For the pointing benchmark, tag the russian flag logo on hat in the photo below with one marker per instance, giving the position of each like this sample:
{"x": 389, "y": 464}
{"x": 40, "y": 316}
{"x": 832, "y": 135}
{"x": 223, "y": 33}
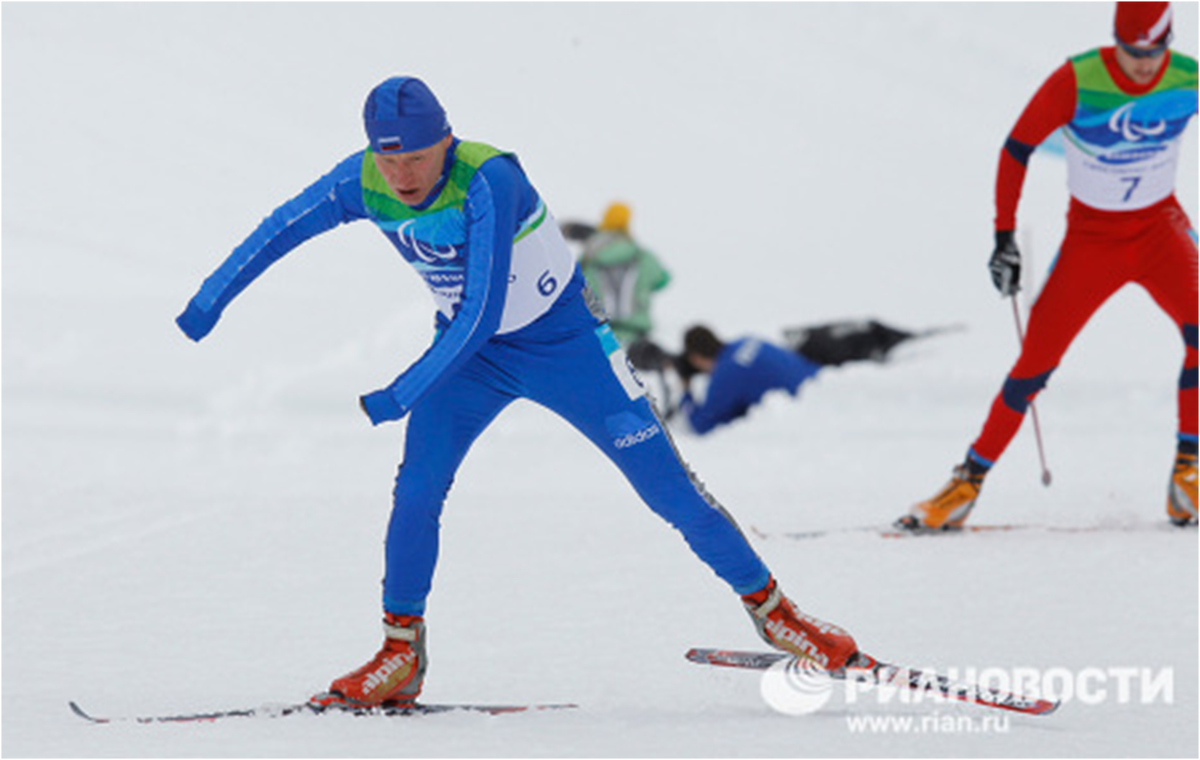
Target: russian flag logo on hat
{"x": 402, "y": 115}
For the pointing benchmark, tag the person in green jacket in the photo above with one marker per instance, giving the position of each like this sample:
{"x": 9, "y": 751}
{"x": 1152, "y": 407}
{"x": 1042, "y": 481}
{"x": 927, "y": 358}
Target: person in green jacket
{"x": 623, "y": 274}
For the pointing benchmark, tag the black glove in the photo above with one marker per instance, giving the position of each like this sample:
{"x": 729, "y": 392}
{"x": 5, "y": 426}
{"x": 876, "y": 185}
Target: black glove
{"x": 1005, "y": 264}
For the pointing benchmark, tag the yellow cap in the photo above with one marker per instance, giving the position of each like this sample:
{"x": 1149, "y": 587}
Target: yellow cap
{"x": 616, "y": 218}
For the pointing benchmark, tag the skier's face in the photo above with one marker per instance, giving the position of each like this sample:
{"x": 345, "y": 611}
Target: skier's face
{"x": 1142, "y": 69}
{"x": 412, "y": 175}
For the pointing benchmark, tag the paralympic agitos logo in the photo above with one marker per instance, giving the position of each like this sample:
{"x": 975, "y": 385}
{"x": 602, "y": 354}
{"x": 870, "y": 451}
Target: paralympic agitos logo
{"x": 1123, "y": 124}
{"x": 1142, "y": 141}
{"x": 423, "y": 249}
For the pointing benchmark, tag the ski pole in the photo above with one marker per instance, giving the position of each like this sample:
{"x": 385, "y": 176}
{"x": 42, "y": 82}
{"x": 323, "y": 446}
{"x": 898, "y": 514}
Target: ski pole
{"x": 1037, "y": 428}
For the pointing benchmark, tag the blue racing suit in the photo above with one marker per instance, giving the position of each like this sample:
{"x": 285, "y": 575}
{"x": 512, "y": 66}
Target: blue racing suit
{"x": 743, "y": 372}
{"x": 515, "y": 321}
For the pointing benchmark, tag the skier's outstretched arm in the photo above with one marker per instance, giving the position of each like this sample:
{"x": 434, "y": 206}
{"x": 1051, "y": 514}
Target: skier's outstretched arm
{"x": 333, "y": 199}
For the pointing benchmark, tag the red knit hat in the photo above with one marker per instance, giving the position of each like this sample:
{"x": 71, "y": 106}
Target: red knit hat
{"x": 1143, "y": 25}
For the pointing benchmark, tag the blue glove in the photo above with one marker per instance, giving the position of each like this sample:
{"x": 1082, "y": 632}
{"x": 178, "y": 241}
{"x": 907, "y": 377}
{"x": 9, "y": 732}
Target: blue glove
{"x": 381, "y": 406}
{"x": 1005, "y": 264}
{"x": 195, "y": 322}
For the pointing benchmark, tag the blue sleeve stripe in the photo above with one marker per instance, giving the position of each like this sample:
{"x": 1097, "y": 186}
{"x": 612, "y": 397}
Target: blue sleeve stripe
{"x": 1189, "y": 335}
{"x": 1019, "y": 150}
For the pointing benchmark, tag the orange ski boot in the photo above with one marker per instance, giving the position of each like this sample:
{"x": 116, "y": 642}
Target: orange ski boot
{"x": 948, "y": 509}
{"x": 393, "y": 677}
{"x": 1181, "y": 495}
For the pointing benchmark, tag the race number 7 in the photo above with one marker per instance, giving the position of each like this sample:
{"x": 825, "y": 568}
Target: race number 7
{"x": 1133, "y": 183}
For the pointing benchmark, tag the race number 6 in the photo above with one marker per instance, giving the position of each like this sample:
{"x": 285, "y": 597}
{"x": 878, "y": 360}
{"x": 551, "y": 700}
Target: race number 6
{"x": 547, "y": 284}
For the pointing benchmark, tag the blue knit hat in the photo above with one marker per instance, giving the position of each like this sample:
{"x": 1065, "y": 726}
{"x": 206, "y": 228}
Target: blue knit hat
{"x": 402, "y": 115}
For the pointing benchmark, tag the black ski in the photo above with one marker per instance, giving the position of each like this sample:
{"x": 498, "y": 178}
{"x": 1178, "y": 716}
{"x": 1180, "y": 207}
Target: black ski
{"x": 866, "y": 669}
{"x": 297, "y": 708}
{"x": 895, "y": 531}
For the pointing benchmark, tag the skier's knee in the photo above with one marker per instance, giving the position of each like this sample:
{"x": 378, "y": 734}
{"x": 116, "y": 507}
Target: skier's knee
{"x": 1019, "y": 391}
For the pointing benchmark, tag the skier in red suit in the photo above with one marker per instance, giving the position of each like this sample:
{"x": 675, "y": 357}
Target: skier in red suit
{"x": 1122, "y": 109}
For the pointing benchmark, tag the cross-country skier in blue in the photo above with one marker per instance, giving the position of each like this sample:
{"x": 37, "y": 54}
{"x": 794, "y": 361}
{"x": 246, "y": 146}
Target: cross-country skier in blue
{"x": 742, "y": 371}
{"x": 515, "y": 320}
{"x": 740, "y": 374}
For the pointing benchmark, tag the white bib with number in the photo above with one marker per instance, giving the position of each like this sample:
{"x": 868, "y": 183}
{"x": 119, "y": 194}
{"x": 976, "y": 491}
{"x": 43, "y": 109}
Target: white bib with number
{"x": 1123, "y": 149}
{"x": 1127, "y": 181}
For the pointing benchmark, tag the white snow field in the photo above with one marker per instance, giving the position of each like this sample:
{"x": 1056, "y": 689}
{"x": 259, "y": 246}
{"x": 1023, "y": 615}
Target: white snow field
{"x": 197, "y": 527}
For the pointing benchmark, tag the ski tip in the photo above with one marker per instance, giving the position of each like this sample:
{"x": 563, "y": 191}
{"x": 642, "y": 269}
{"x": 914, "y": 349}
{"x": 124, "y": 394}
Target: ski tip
{"x": 860, "y": 660}
{"x": 75, "y": 708}
{"x": 1046, "y": 707}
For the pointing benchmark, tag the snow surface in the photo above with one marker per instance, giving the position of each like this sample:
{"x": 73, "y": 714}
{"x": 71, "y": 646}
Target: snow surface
{"x": 191, "y": 527}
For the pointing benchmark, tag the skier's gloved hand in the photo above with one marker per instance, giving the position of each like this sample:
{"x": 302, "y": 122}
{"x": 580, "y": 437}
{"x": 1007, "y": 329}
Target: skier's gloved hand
{"x": 1005, "y": 264}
